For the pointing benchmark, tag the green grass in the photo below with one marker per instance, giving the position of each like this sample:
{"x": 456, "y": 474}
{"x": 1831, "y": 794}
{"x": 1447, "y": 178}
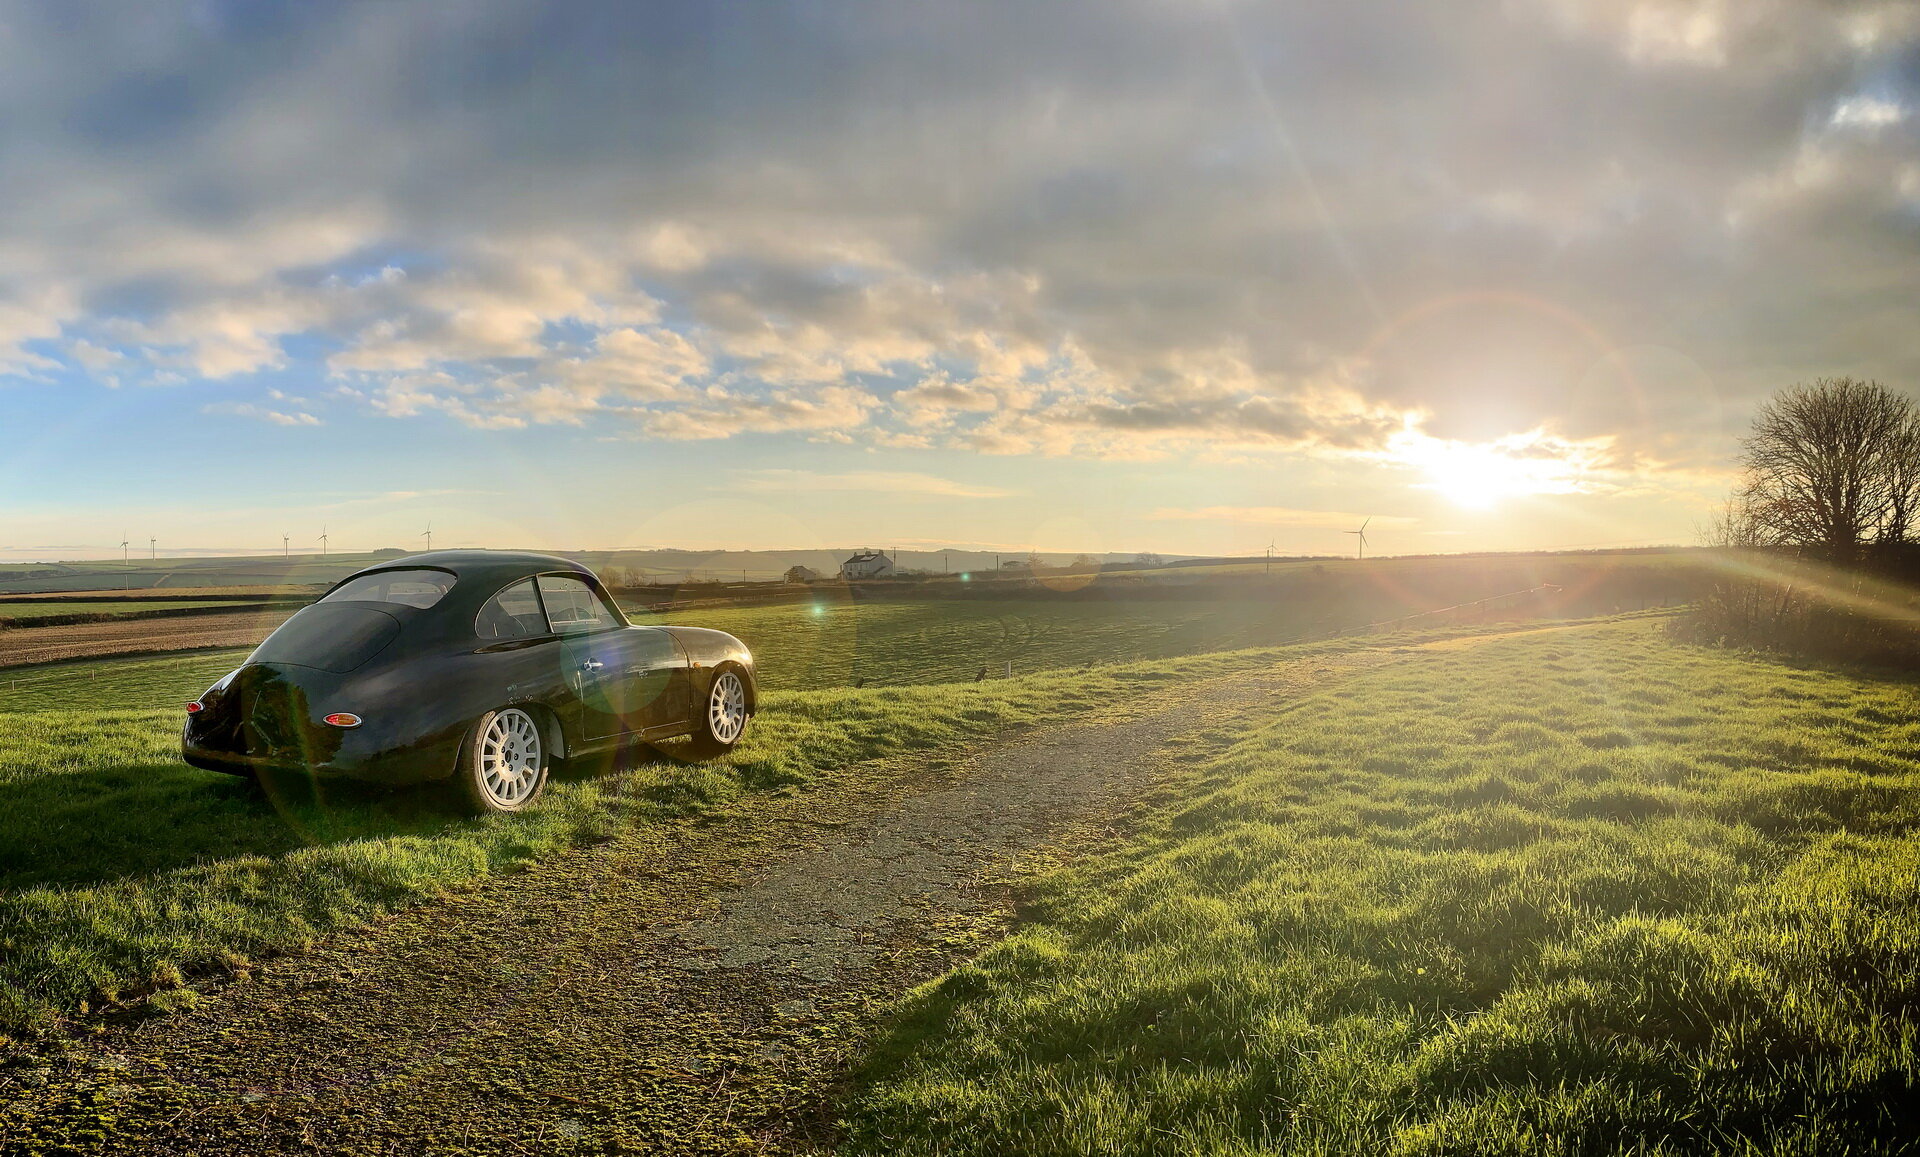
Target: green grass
{"x": 1575, "y": 893}
{"x": 120, "y": 868}
{"x": 832, "y": 643}
{"x": 146, "y": 683}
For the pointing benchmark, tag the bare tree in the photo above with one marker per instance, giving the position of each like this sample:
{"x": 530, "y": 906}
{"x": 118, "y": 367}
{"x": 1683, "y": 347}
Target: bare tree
{"x": 1735, "y": 525}
{"x": 1903, "y": 482}
{"x": 1831, "y": 465}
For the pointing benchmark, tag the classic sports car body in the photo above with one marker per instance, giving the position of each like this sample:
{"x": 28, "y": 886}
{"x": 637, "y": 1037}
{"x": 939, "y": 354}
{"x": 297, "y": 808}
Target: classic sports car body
{"x": 388, "y": 676}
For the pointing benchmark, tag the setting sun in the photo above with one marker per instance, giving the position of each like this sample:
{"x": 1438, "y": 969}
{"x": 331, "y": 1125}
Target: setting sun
{"x": 1482, "y": 475}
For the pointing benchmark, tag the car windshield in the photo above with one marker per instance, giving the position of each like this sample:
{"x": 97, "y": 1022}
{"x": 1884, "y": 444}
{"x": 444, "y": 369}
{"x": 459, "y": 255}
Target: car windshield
{"x": 413, "y": 588}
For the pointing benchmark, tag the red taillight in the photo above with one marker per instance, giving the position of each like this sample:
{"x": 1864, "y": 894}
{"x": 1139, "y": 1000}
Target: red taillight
{"x": 342, "y": 719}
{"x": 196, "y": 707}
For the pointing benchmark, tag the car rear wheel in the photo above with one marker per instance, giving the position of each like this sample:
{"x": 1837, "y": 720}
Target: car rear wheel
{"x": 504, "y": 765}
{"x": 724, "y": 719}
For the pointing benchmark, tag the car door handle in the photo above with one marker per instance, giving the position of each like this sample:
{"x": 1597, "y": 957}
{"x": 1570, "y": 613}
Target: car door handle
{"x": 592, "y": 665}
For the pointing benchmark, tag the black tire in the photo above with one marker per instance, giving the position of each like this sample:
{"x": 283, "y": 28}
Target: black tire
{"x": 721, "y": 721}
{"x": 504, "y": 765}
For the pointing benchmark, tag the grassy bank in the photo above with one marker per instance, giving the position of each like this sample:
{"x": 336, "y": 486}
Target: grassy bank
{"x": 1579, "y": 892}
{"x": 120, "y": 868}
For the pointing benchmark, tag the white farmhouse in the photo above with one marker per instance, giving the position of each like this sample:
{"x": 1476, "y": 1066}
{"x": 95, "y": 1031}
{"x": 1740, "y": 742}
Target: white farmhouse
{"x": 867, "y": 564}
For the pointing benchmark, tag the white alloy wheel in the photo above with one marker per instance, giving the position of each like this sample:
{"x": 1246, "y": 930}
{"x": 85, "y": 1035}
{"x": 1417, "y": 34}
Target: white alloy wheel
{"x": 512, "y": 761}
{"x": 726, "y": 709}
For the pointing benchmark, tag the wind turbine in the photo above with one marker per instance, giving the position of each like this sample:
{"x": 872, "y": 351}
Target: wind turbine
{"x": 286, "y": 546}
{"x": 428, "y": 535}
{"x": 153, "y": 548}
{"x": 1362, "y": 532}
{"x": 125, "y": 561}
{"x": 323, "y": 541}
{"x": 1270, "y": 546}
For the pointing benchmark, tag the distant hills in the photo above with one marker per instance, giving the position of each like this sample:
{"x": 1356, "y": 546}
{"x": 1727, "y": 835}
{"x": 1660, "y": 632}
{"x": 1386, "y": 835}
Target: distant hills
{"x": 649, "y": 565}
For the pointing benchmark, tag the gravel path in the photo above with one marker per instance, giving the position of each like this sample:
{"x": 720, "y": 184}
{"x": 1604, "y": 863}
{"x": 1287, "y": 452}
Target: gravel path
{"x": 682, "y": 988}
{"x": 816, "y": 913}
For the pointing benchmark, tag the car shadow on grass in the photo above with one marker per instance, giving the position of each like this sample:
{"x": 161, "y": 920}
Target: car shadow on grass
{"x": 81, "y": 828}
{"x": 86, "y": 827}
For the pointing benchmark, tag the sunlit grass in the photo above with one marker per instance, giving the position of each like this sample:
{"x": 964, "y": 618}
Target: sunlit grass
{"x": 1580, "y": 892}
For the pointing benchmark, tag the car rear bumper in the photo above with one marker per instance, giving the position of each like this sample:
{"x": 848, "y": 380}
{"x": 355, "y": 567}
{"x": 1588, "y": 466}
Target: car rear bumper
{"x": 409, "y": 765}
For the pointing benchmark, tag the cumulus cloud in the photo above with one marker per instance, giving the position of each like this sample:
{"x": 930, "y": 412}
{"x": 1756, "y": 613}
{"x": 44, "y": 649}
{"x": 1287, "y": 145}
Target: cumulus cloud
{"x": 1128, "y": 229}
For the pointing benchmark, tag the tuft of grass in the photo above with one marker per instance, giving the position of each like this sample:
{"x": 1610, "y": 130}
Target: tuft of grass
{"x": 1586, "y": 892}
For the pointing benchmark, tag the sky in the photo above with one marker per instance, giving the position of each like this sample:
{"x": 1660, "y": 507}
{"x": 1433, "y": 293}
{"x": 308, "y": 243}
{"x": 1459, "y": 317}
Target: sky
{"x": 1192, "y": 276}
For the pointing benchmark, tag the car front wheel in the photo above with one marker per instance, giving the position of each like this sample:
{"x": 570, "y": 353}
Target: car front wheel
{"x": 724, "y": 719}
{"x": 504, "y": 765}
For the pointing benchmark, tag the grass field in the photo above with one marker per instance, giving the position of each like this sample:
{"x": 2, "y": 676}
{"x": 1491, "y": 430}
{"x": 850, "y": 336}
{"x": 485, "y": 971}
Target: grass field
{"x": 834, "y": 643}
{"x": 1581, "y": 890}
{"x": 120, "y": 867}
{"x": 1576, "y": 892}
{"x": 803, "y": 646}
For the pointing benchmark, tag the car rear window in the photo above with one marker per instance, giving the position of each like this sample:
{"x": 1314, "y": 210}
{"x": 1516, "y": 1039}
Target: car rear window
{"x": 413, "y": 588}
{"x": 334, "y": 638}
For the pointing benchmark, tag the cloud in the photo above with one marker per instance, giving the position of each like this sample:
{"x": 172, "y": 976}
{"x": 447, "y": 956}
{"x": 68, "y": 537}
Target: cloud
{"x": 1125, "y": 230}
{"x": 830, "y": 413}
{"x": 262, "y": 413}
{"x": 785, "y": 481}
{"x": 1867, "y": 112}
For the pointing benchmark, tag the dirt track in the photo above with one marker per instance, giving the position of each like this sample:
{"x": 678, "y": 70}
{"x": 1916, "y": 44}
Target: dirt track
{"x": 20, "y": 646}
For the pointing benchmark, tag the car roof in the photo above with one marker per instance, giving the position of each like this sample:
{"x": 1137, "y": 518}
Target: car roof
{"x": 489, "y": 566}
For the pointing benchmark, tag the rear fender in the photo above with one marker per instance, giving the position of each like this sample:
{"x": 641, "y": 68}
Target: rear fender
{"x": 707, "y": 652}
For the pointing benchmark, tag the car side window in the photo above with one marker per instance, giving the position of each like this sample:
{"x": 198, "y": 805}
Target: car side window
{"x": 514, "y": 613}
{"x": 573, "y": 607}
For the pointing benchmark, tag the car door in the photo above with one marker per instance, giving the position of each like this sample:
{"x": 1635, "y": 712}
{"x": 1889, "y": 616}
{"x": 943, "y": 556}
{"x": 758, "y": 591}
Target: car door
{"x": 629, "y": 679}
